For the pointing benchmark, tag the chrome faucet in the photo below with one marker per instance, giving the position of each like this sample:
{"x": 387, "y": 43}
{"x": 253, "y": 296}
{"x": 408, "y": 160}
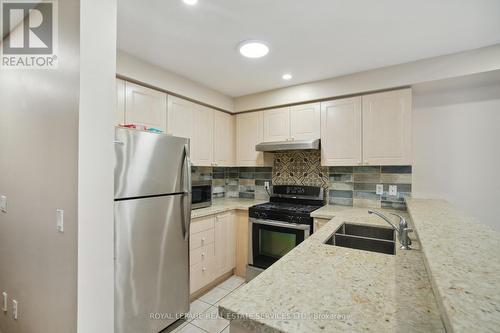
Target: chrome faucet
{"x": 402, "y": 230}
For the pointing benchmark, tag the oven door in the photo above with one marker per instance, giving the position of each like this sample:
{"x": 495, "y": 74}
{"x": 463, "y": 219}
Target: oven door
{"x": 270, "y": 240}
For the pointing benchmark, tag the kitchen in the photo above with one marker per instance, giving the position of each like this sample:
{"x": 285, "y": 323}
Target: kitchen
{"x": 223, "y": 176}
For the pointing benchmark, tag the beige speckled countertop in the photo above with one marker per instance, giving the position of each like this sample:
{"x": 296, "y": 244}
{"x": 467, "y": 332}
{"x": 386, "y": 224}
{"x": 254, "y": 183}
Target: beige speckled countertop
{"x": 223, "y": 205}
{"x": 335, "y": 289}
{"x": 463, "y": 261}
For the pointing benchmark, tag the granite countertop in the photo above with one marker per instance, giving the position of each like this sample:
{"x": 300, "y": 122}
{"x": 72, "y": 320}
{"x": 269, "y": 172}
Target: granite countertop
{"x": 463, "y": 261}
{"x": 223, "y": 205}
{"x": 327, "y": 288}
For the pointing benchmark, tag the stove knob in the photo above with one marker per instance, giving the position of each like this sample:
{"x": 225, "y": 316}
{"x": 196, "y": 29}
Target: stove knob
{"x": 263, "y": 215}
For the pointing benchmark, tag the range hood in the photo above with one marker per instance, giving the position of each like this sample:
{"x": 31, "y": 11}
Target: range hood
{"x": 288, "y": 145}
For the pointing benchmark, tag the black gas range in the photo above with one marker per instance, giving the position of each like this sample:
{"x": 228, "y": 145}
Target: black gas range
{"x": 279, "y": 225}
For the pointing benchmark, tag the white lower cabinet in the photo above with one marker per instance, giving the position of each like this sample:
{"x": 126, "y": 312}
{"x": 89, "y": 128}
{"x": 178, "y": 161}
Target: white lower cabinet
{"x": 212, "y": 248}
{"x": 225, "y": 243}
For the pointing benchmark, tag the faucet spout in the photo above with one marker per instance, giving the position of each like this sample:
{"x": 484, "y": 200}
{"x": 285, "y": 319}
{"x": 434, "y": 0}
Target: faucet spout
{"x": 383, "y": 217}
{"x": 402, "y": 230}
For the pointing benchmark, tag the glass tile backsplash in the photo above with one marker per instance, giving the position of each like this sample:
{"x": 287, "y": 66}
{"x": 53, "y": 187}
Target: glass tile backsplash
{"x": 346, "y": 185}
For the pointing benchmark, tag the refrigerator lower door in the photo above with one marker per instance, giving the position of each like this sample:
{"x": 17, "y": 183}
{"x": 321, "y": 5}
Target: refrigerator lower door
{"x": 151, "y": 264}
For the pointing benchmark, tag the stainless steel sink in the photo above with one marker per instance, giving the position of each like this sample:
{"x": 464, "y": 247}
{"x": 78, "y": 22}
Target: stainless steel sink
{"x": 364, "y": 237}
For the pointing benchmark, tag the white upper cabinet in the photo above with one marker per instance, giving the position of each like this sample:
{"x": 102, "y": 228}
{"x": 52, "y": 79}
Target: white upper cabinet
{"x": 300, "y": 122}
{"x": 387, "y": 128}
{"x": 341, "y": 132}
{"x": 305, "y": 121}
{"x": 368, "y": 130}
{"x": 203, "y": 138}
{"x": 145, "y": 106}
{"x": 249, "y": 132}
{"x": 190, "y": 120}
{"x": 277, "y": 125}
{"x": 224, "y": 139}
{"x": 120, "y": 102}
{"x": 181, "y": 115}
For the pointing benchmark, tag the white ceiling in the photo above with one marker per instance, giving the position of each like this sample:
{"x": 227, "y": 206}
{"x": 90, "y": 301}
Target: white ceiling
{"x": 312, "y": 39}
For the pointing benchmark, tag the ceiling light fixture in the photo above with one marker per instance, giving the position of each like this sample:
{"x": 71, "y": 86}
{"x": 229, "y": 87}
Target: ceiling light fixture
{"x": 253, "y": 49}
{"x": 190, "y": 2}
{"x": 287, "y": 76}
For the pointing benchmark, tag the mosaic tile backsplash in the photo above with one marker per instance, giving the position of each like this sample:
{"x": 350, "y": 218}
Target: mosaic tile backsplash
{"x": 242, "y": 182}
{"x": 348, "y": 186}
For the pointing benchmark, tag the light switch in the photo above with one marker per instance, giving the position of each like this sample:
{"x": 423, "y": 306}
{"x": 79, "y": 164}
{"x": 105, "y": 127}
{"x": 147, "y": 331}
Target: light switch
{"x": 380, "y": 189}
{"x": 4, "y": 301}
{"x": 60, "y": 220}
{"x": 393, "y": 190}
{"x": 3, "y": 203}
{"x": 15, "y": 306}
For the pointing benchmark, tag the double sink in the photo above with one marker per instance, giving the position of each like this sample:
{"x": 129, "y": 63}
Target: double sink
{"x": 364, "y": 237}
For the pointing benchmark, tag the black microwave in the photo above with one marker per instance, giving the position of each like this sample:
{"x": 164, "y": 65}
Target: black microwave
{"x": 201, "y": 194}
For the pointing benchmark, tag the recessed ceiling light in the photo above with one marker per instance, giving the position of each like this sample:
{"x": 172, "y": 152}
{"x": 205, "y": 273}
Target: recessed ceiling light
{"x": 190, "y": 2}
{"x": 287, "y": 76}
{"x": 253, "y": 49}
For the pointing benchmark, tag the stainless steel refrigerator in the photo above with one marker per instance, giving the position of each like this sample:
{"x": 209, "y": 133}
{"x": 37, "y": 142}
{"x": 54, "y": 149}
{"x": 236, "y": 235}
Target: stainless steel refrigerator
{"x": 152, "y": 218}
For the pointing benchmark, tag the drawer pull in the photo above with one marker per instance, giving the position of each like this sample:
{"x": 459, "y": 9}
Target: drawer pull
{"x": 204, "y": 269}
{"x": 203, "y": 254}
{"x": 203, "y": 240}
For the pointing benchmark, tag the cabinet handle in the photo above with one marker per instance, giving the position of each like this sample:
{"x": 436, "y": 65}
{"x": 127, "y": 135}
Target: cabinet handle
{"x": 203, "y": 254}
{"x": 359, "y": 162}
{"x": 366, "y": 162}
{"x": 203, "y": 240}
{"x": 204, "y": 269}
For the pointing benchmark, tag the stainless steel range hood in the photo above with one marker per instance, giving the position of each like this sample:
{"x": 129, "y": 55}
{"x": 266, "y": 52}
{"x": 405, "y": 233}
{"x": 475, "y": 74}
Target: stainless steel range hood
{"x": 288, "y": 145}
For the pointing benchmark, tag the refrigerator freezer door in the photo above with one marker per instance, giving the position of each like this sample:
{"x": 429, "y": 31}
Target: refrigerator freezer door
{"x": 148, "y": 163}
{"x": 151, "y": 264}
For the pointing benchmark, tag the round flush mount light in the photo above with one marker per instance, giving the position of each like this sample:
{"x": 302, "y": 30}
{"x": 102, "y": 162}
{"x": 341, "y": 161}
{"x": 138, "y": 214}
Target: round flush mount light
{"x": 253, "y": 49}
{"x": 190, "y": 2}
{"x": 287, "y": 76}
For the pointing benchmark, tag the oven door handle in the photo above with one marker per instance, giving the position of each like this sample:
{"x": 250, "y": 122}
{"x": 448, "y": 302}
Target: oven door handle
{"x": 281, "y": 224}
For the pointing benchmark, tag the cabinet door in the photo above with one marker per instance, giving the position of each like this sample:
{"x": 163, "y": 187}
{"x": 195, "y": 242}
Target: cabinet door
{"x": 387, "y": 128}
{"x": 341, "y": 132}
{"x": 225, "y": 244}
{"x": 305, "y": 121}
{"x": 181, "y": 115}
{"x": 120, "y": 102}
{"x": 145, "y": 106}
{"x": 203, "y": 137}
{"x": 224, "y": 139}
{"x": 249, "y": 132}
{"x": 277, "y": 124}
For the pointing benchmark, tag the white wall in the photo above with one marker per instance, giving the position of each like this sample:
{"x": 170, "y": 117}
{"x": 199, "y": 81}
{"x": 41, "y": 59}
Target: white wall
{"x": 456, "y": 130}
{"x": 95, "y": 166}
{"x": 448, "y": 66}
{"x": 137, "y": 69}
{"x": 38, "y": 174}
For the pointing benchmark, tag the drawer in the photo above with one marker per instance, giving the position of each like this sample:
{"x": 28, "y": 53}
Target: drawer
{"x": 201, "y": 254}
{"x": 201, "y": 274}
{"x": 201, "y": 239}
{"x": 202, "y": 224}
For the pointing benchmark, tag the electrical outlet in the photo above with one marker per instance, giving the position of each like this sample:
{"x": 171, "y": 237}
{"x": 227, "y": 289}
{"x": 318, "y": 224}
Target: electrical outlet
{"x": 4, "y": 301}
{"x": 60, "y": 220}
{"x": 393, "y": 190}
{"x": 380, "y": 189}
{"x": 266, "y": 185}
{"x": 15, "y": 307}
{"x": 3, "y": 203}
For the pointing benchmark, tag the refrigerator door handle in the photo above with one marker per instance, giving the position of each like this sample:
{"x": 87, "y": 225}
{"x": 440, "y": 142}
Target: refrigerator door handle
{"x": 186, "y": 193}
